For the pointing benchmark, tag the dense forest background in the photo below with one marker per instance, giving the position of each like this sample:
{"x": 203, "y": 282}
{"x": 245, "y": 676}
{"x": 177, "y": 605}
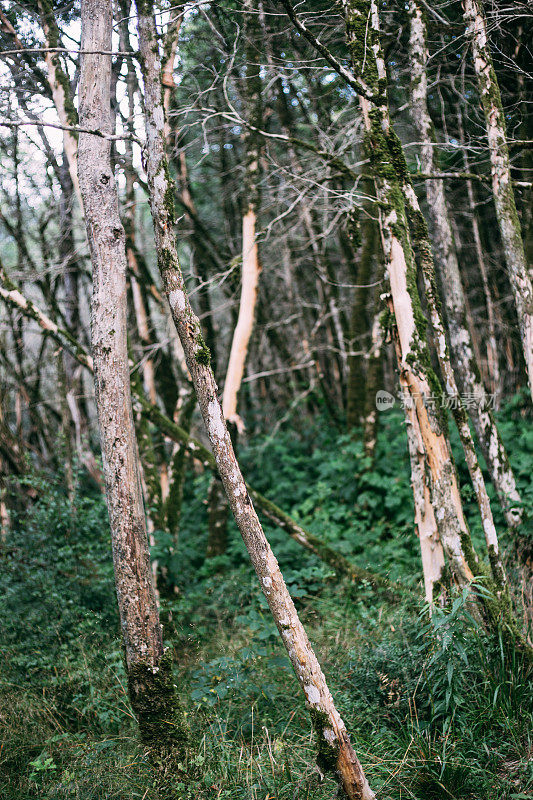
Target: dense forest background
{"x": 278, "y": 193}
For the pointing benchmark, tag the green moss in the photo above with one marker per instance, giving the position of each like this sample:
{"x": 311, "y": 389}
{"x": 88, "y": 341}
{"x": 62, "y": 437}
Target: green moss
{"x": 360, "y": 40}
{"x": 328, "y": 754}
{"x": 70, "y": 109}
{"x": 166, "y": 260}
{"x": 154, "y": 700}
{"x": 203, "y": 353}
{"x": 168, "y": 199}
{"x": 443, "y": 585}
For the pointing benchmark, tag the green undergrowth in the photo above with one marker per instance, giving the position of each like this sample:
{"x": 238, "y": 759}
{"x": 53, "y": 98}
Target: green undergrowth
{"x": 436, "y": 710}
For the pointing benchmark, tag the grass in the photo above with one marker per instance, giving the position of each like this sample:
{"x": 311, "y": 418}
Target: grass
{"x": 436, "y": 710}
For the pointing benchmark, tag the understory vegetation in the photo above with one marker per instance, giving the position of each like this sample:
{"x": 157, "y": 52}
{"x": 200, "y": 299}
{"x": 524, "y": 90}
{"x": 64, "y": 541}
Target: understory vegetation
{"x": 436, "y": 708}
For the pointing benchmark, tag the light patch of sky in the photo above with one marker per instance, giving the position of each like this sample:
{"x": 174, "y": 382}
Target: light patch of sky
{"x": 31, "y": 149}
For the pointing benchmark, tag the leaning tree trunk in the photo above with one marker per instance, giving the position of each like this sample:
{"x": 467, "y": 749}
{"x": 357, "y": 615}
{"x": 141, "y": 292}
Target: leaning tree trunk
{"x": 502, "y": 188}
{"x": 148, "y": 665}
{"x": 334, "y": 743}
{"x": 454, "y": 299}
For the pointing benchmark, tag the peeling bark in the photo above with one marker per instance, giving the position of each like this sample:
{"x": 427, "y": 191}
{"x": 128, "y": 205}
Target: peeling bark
{"x": 451, "y": 280}
{"x": 389, "y": 169}
{"x": 431, "y": 548}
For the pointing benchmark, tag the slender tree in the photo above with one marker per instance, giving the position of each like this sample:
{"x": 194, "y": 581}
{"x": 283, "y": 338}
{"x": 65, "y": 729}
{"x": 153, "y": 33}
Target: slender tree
{"x": 148, "y": 665}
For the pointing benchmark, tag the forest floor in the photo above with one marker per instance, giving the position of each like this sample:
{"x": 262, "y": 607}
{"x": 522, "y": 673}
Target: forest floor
{"x": 436, "y": 709}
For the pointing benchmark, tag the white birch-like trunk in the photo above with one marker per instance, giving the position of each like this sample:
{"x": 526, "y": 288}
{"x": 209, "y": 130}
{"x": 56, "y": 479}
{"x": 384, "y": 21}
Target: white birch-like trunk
{"x": 245, "y": 321}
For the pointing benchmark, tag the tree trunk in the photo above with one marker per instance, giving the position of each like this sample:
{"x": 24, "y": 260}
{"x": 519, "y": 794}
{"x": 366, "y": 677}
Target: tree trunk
{"x": 148, "y": 665}
{"x": 359, "y": 321}
{"x": 413, "y": 358}
{"x": 431, "y": 548}
{"x": 60, "y": 86}
{"x": 334, "y": 743}
{"x": 374, "y": 373}
{"x": 453, "y": 295}
{"x": 403, "y": 224}
{"x": 502, "y": 188}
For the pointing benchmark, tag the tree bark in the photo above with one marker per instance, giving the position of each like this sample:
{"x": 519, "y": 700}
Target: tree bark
{"x": 148, "y": 665}
{"x": 502, "y": 188}
{"x": 403, "y": 226}
{"x": 334, "y": 744}
{"x": 431, "y": 549}
{"x": 356, "y": 392}
{"x": 413, "y": 359}
{"x": 450, "y": 278}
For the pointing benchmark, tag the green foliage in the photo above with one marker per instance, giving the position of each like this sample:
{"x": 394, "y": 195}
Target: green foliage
{"x": 436, "y": 710}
